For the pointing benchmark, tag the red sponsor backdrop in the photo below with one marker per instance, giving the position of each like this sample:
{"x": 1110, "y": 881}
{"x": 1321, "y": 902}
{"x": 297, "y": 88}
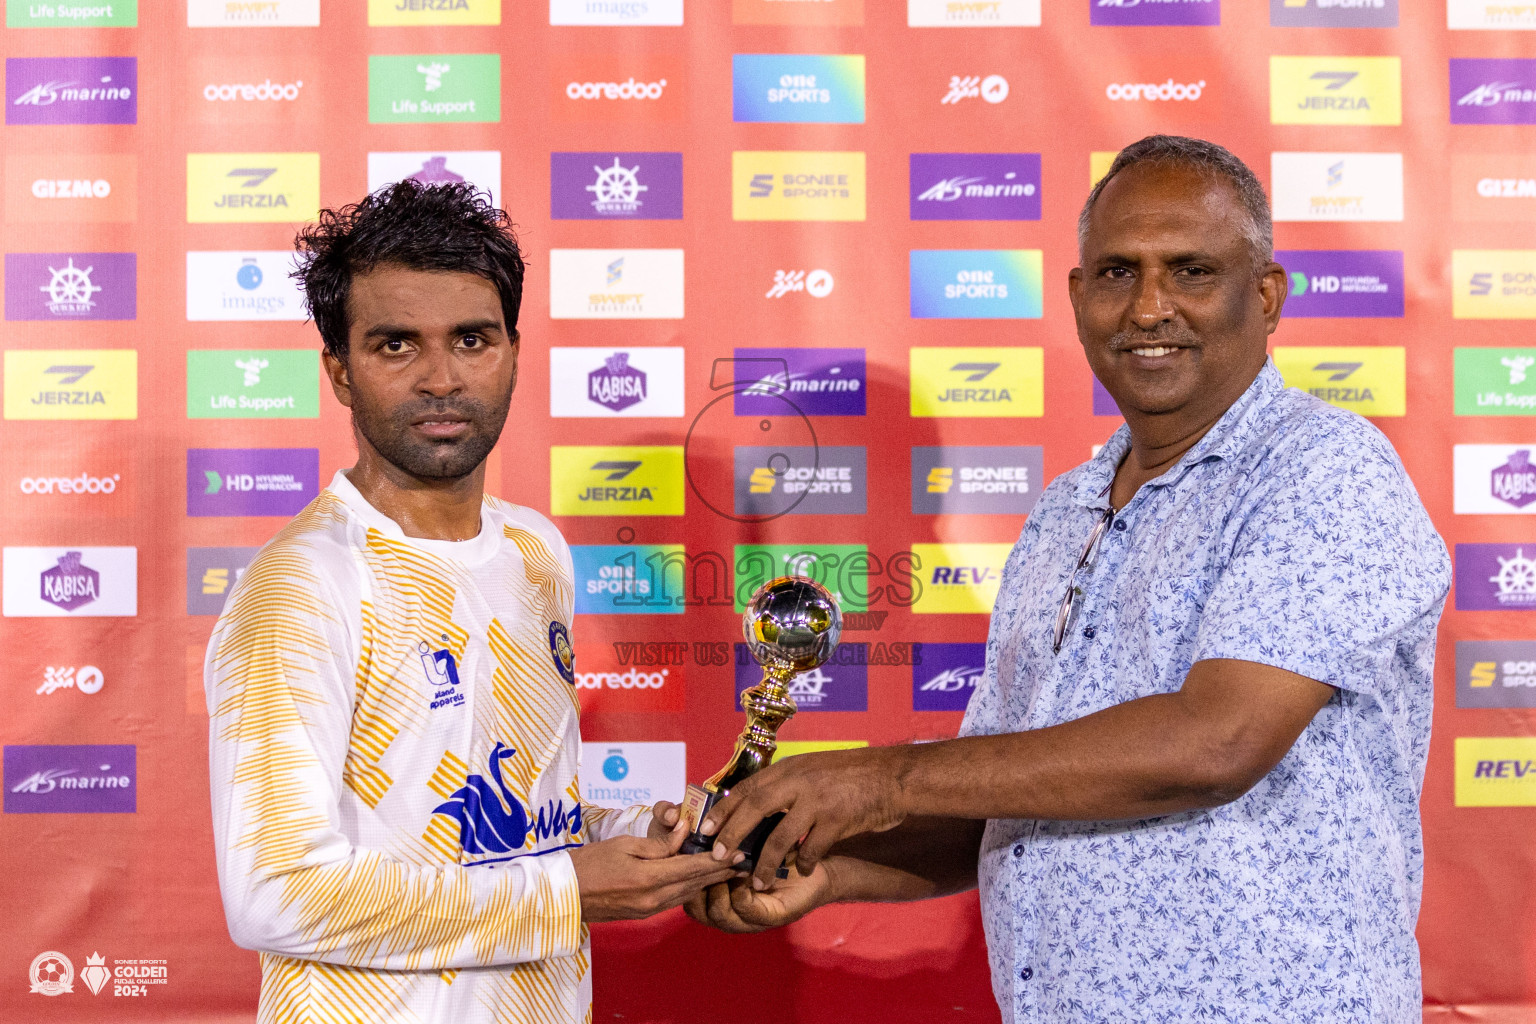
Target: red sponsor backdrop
{"x": 142, "y": 886}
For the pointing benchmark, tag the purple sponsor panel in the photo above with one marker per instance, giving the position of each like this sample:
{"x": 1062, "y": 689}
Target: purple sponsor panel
{"x": 974, "y": 186}
{"x": 71, "y": 90}
{"x": 251, "y": 481}
{"x": 842, "y": 684}
{"x": 616, "y": 186}
{"x": 71, "y": 286}
{"x": 799, "y": 381}
{"x": 1343, "y": 282}
{"x": 1154, "y": 12}
{"x": 1103, "y": 402}
{"x": 945, "y": 675}
{"x": 1493, "y": 90}
{"x": 1496, "y": 577}
{"x": 71, "y": 779}
{"x": 1515, "y": 481}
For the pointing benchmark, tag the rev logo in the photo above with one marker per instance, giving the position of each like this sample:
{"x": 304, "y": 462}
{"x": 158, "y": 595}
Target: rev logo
{"x": 958, "y": 578}
{"x": 1496, "y": 771}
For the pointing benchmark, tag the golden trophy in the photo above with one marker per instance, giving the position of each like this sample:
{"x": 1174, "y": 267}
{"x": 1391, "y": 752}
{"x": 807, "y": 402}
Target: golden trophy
{"x": 791, "y": 626}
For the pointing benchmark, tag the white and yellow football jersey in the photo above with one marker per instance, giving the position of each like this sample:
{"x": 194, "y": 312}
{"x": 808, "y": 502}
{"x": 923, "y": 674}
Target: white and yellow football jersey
{"x": 393, "y": 750}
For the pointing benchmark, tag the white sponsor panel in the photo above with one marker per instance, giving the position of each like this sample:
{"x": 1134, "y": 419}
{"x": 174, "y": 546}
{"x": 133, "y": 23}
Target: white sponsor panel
{"x": 70, "y": 582}
{"x": 972, "y": 13}
{"x": 607, "y": 382}
{"x": 625, "y": 774}
{"x": 479, "y": 167}
{"x": 1495, "y": 479}
{"x": 252, "y": 13}
{"x": 243, "y": 284}
{"x": 616, "y": 284}
{"x": 1337, "y": 186}
{"x": 615, "y": 12}
{"x": 1486, "y": 14}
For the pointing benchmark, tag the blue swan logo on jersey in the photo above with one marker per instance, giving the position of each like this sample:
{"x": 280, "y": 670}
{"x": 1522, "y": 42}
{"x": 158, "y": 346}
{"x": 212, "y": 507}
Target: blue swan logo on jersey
{"x": 493, "y": 820}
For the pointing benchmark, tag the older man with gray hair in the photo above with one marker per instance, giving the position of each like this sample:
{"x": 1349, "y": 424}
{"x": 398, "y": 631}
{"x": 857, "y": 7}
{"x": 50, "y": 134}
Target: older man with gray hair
{"x": 1188, "y": 782}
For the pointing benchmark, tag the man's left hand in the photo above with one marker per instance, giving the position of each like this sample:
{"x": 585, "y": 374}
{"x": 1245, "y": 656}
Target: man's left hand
{"x": 826, "y": 797}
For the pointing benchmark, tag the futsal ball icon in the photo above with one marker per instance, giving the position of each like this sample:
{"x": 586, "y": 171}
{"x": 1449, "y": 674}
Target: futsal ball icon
{"x": 52, "y": 974}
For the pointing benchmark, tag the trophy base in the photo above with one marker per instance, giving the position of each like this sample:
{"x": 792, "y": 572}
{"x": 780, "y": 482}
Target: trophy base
{"x": 696, "y": 804}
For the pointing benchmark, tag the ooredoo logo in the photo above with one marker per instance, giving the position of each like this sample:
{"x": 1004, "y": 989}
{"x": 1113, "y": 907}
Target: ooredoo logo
{"x": 82, "y": 484}
{"x": 1168, "y": 90}
{"x": 629, "y": 675}
{"x": 264, "y": 91}
{"x": 593, "y": 88}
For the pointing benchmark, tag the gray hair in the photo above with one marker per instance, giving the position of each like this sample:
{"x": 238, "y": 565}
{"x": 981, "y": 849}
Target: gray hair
{"x": 1210, "y": 160}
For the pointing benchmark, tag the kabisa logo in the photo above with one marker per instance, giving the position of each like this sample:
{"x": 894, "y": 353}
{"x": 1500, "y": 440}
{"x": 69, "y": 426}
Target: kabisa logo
{"x": 1496, "y": 673}
{"x": 434, "y": 12}
{"x": 71, "y": 90}
{"x": 265, "y": 91}
{"x": 976, "y": 479}
{"x": 1154, "y": 12}
{"x": 815, "y": 283}
{"x": 52, "y": 974}
{"x": 441, "y": 669}
{"x": 1155, "y": 91}
{"x": 602, "y": 382}
{"x": 83, "y": 582}
{"x": 1515, "y": 481}
{"x": 70, "y": 584}
{"x": 1369, "y": 380}
{"x": 1495, "y": 381}
{"x": 481, "y": 168}
{"x": 434, "y": 88}
{"x": 253, "y": 384}
{"x": 1334, "y": 13}
{"x": 68, "y": 14}
{"x": 798, "y": 480}
{"x": 1493, "y": 284}
{"x": 1335, "y": 90}
{"x": 622, "y": 480}
{"x": 615, "y": 12}
{"x": 977, "y": 381}
{"x": 252, "y": 13}
{"x": 87, "y": 679}
{"x": 616, "y": 186}
{"x": 1492, "y": 577}
{"x": 243, "y": 285}
{"x": 976, "y": 283}
{"x": 1337, "y": 186}
{"x": 621, "y": 775}
{"x": 629, "y": 579}
{"x": 958, "y": 578}
{"x": 1495, "y": 771}
{"x": 974, "y": 186}
{"x": 1493, "y": 90}
{"x": 1494, "y": 478}
{"x": 252, "y": 187}
{"x": 251, "y": 481}
{"x": 78, "y": 384}
{"x": 616, "y": 284}
{"x": 211, "y": 577}
{"x": 992, "y": 89}
{"x": 492, "y": 819}
{"x": 972, "y": 13}
{"x": 945, "y": 675}
{"x": 1339, "y": 282}
{"x": 71, "y": 779}
{"x": 616, "y": 385}
{"x": 842, "y": 684}
{"x": 1490, "y": 14}
{"x": 797, "y": 88}
{"x": 797, "y": 186}
{"x": 808, "y": 381}
{"x": 71, "y": 286}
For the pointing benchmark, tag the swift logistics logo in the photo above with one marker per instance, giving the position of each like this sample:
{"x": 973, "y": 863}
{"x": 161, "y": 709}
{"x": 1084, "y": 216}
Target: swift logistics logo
{"x": 1336, "y": 90}
{"x": 249, "y": 188}
{"x": 71, "y": 582}
{"x": 1343, "y": 282}
{"x": 212, "y": 574}
{"x": 944, "y": 676}
{"x": 974, "y": 186}
{"x": 973, "y": 13}
{"x": 976, "y": 284}
{"x": 1495, "y": 577}
{"x": 797, "y": 88}
{"x": 1154, "y": 12}
{"x": 252, "y": 13}
{"x": 1493, "y": 90}
{"x": 800, "y": 480}
{"x": 434, "y": 88}
{"x": 480, "y": 167}
{"x": 1493, "y": 284}
{"x": 72, "y": 384}
{"x": 1489, "y": 14}
{"x": 638, "y": 480}
{"x": 958, "y": 578}
{"x": 1495, "y": 381}
{"x": 616, "y": 186}
{"x": 797, "y": 12}
{"x": 797, "y": 185}
{"x": 72, "y": 14}
{"x": 1333, "y": 13}
{"x": 270, "y": 383}
{"x": 1369, "y": 380}
{"x": 251, "y": 481}
{"x": 1496, "y": 479}
{"x": 950, "y": 382}
{"x": 53, "y": 187}
{"x": 616, "y": 284}
{"x": 74, "y": 779}
{"x": 434, "y": 12}
{"x": 1337, "y": 186}
{"x": 620, "y": 775}
{"x": 976, "y": 479}
{"x": 628, "y": 86}
{"x": 841, "y": 684}
{"x": 243, "y": 285}
{"x": 628, "y": 579}
{"x": 843, "y": 569}
{"x": 1496, "y": 771}
{"x": 615, "y": 12}
{"x": 605, "y": 382}
{"x": 71, "y": 90}
{"x": 808, "y": 381}
{"x": 1496, "y": 673}
{"x": 71, "y": 286}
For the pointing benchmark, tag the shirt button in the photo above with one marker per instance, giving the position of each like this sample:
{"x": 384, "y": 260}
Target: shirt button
{"x": 1018, "y": 850}
{"x": 1027, "y": 973}
{"x": 1120, "y": 525}
{"x": 1089, "y": 632}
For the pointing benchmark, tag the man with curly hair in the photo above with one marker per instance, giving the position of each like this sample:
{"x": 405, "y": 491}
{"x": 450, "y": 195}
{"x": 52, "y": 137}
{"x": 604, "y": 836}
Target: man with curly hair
{"x": 393, "y": 728}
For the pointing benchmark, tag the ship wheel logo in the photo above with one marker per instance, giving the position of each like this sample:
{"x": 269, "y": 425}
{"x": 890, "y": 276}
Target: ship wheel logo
{"x": 1516, "y": 579}
{"x": 617, "y": 188}
{"x": 70, "y": 289}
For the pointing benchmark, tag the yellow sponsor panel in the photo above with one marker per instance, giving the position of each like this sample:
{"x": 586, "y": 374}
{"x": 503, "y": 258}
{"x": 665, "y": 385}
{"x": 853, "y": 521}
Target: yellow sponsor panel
{"x": 628, "y": 480}
{"x": 1099, "y": 163}
{"x": 1370, "y": 380}
{"x": 1496, "y": 771}
{"x": 789, "y": 748}
{"x": 1493, "y": 284}
{"x": 797, "y": 185}
{"x": 958, "y": 578}
{"x": 1335, "y": 90}
{"x": 72, "y": 384}
{"x": 434, "y": 12}
{"x": 977, "y": 381}
{"x": 249, "y": 188}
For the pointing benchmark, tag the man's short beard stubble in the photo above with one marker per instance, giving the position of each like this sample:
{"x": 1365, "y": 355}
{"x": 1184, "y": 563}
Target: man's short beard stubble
{"x": 391, "y": 436}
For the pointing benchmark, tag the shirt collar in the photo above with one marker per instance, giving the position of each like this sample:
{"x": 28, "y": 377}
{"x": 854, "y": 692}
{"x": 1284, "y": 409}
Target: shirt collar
{"x": 1222, "y": 441}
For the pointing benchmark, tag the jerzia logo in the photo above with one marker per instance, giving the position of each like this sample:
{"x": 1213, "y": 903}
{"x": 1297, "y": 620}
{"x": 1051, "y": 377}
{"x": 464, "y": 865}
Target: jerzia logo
{"x": 977, "y": 381}
{"x": 492, "y": 818}
{"x": 634, "y": 480}
{"x": 252, "y": 187}
{"x": 1369, "y": 380}
{"x": 1335, "y": 90}
{"x": 80, "y": 384}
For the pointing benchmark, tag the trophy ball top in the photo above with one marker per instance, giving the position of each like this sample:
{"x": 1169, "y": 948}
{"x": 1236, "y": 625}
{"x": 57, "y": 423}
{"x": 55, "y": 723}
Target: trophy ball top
{"x": 792, "y": 620}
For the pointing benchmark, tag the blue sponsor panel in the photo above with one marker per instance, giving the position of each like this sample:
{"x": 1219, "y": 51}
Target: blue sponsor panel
{"x": 628, "y": 579}
{"x": 945, "y": 675}
{"x": 797, "y": 88}
{"x": 983, "y": 284}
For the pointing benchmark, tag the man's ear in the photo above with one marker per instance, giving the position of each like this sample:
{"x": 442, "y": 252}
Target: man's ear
{"x": 1274, "y": 288}
{"x": 341, "y": 381}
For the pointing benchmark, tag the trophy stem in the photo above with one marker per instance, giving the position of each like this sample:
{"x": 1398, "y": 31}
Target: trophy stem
{"x": 768, "y": 706}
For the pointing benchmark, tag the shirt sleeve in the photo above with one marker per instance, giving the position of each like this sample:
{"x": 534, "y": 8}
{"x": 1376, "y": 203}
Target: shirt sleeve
{"x": 1337, "y": 575}
{"x": 278, "y": 677}
{"x": 608, "y": 822}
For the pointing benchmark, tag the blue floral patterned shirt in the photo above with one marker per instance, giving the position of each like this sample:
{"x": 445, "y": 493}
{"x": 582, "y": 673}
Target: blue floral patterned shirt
{"x": 1291, "y": 536}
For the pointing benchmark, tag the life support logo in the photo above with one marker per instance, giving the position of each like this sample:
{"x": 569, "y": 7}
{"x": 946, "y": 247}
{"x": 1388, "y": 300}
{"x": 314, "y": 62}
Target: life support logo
{"x": 560, "y": 650}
